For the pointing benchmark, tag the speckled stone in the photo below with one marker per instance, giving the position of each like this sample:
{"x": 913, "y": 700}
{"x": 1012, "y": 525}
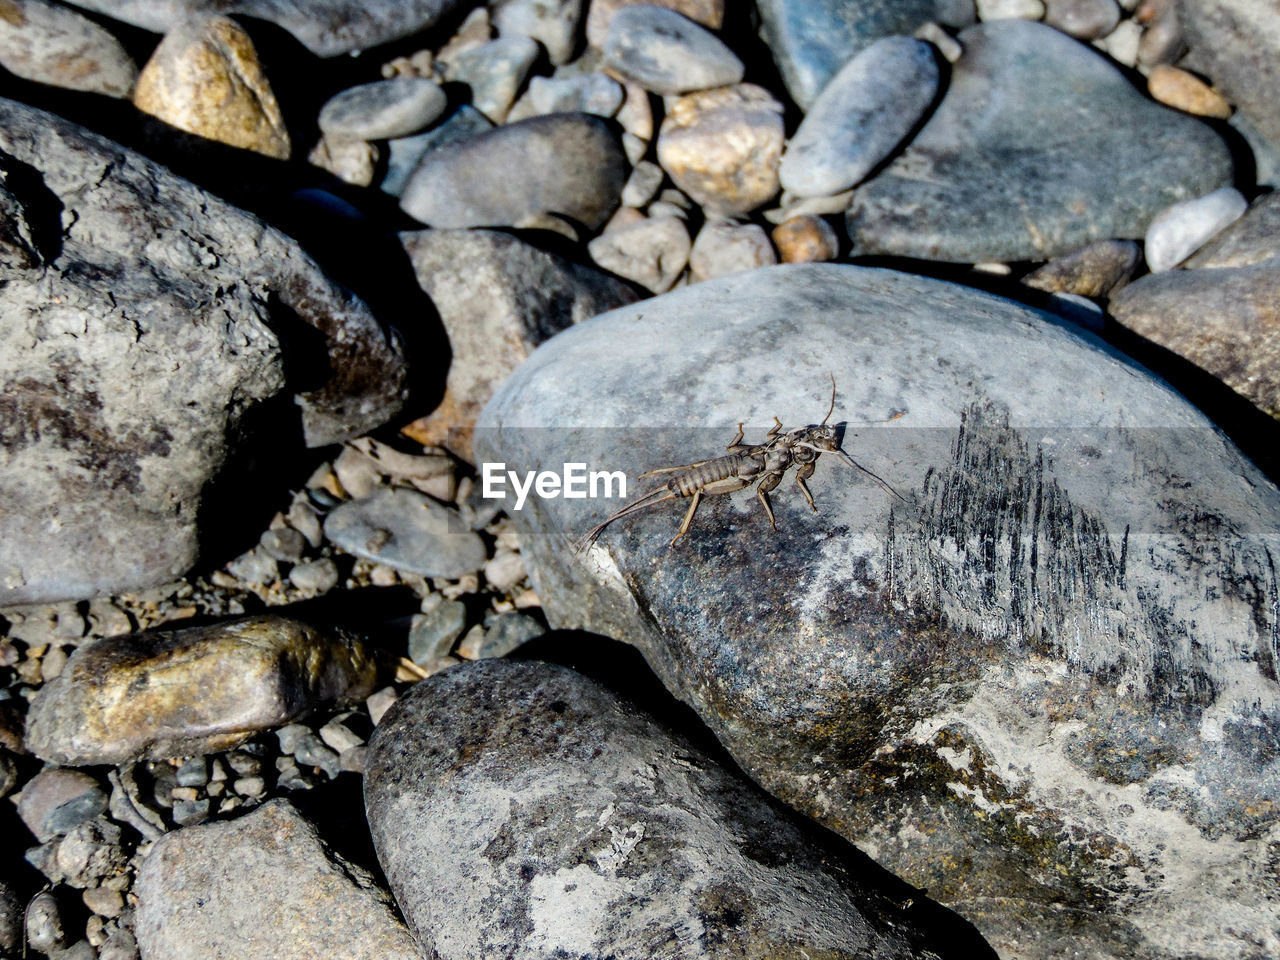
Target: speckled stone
{"x": 1236, "y": 43}
{"x": 191, "y": 691}
{"x": 383, "y": 110}
{"x": 1088, "y": 161}
{"x": 265, "y": 885}
{"x": 47, "y": 43}
{"x": 1183, "y": 228}
{"x": 722, "y": 147}
{"x": 805, "y": 239}
{"x": 568, "y": 165}
{"x": 709, "y": 13}
{"x": 666, "y": 52}
{"x": 651, "y": 252}
{"x": 1186, "y": 92}
{"x": 205, "y": 78}
{"x": 519, "y": 810}
{"x": 989, "y": 687}
{"x": 1096, "y": 270}
{"x": 405, "y": 530}
{"x": 722, "y": 248}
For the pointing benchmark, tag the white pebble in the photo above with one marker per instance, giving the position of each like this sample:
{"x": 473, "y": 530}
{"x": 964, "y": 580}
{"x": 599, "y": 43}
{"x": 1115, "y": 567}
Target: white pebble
{"x": 1010, "y": 9}
{"x": 1122, "y": 43}
{"x": 1183, "y": 228}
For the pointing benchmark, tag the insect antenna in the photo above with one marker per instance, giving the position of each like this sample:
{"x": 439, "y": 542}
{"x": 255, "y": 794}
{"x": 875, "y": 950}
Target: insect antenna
{"x": 830, "y": 409}
{"x": 855, "y": 464}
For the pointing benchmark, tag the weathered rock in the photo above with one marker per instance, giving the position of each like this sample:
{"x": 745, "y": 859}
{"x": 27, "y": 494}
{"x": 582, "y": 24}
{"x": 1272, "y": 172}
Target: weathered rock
{"x": 498, "y": 298}
{"x": 193, "y": 690}
{"x": 507, "y": 632}
{"x": 722, "y": 147}
{"x": 1093, "y": 271}
{"x": 1254, "y": 238}
{"x": 1186, "y": 92}
{"x": 709, "y": 13}
{"x": 553, "y": 23}
{"x": 520, "y": 810}
{"x": 405, "y": 153}
{"x": 1237, "y": 44}
{"x": 88, "y": 854}
{"x": 651, "y": 252}
{"x": 812, "y": 39}
{"x": 205, "y": 78}
{"x": 1083, "y": 19}
{"x": 566, "y": 165}
{"x": 403, "y": 529}
{"x": 47, "y": 43}
{"x": 1183, "y": 228}
{"x": 11, "y": 919}
{"x": 861, "y": 116}
{"x": 265, "y": 885}
{"x": 805, "y": 239}
{"x": 1089, "y": 160}
{"x": 56, "y": 800}
{"x": 347, "y": 158}
{"x": 1225, "y": 320}
{"x": 495, "y": 72}
{"x": 433, "y": 632}
{"x": 109, "y": 440}
{"x": 383, "y": 110}
{"x": 589, "y": 93}
{"x": 1042, "y": 689}
{"x": 724, "y": 248}
{"x": 327, "y": 27}
{"x": 666, "y": 52}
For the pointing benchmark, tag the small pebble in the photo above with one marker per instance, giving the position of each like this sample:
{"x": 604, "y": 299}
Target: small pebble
{"x": 476, "y": 31}
{"x": 358, "y": 473}
{"x": 946, "y": 44}
{"x": 250, "y": 787}
{"x": 709, "y": 13}
{"x": 507, "y": 632}
{"x": 379, "y": 702}
{"x": 1183, "y": 228}
{"x": 666, "y": 52}
{"x": 350, "y": 160}
{"x": 724, "y": 248}
{"x": 1163, "y": 40}
{"x": 104, "y": 902}
{"x": 1009, "y": 9}
{"x": 339, "y": 737}
{"x": 642, "y": 185}
{"x": 52, "y": 662}
{"x": 243, "y": 764}
{"x": 589, "y": 93}
{"x": 553, "y": 23}
{"x": 382, "y": 110}
{"x": 495, "y": 72}
{"x": 1121, "y": 44}
{"x": 1097, "y": 270}
{"x": 433, "y": 633}
{"x": 636, "y": 113}
{"x": 44, "y": 923}
{"x": 319, "y": 576}
{"x": 1083, "y": 19}
{"x": 255, "y": 567}
{"x": 284, "y": 544}
{"x": 805, "y": 239}
{"x": 183, "y": 794}
{"x": 187, "y": 812}
{"x": 1185, "y": 91}
{"x": 505, "y": 570}
{"x": 651, "y": 252}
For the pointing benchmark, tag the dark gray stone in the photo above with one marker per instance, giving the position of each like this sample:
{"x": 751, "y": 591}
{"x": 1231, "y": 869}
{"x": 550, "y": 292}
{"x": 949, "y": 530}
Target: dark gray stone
{"x": 405, "y": 153}
{"x": 504, "y": 635}
{"x": 86, "y": 855}
{"x": 1018, "y": 164}
{"x": 1253, "y": 239}
{"x": 137, "y": 333}
{"x": 193, "y": 690}
{"x": 520, "y": 810}
{"x": 327, "y": 27}
{"x": 565, "y": 165}
{"x": 812, "y": 39}
{"x": 1024, "y": 690}
{"x": 56, "y": 800}
{"x": 1096, "y": 270}
{"x": 1236, "y": 43}
{"x": 1083, "y": 19}
{"x": 265, "y": 886}
{"x": 383, "y": 110}
{"x": 11, "y": 919}
{"x": 406, "y": 530}
{"x": 666, "y": 52}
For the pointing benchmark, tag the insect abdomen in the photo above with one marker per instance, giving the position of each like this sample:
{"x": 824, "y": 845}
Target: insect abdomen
{"x": 689, "y": 482}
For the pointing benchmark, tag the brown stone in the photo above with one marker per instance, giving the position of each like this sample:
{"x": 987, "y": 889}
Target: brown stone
{"x": 1185, "y": 91}
{"x": 197, "y": 690}
{"x": 1254, "y": 238}
{"x": 709, "y": 13}
{"x": 205, "y": 78}
{"x": 1096, "y": 270}
{"x": 722, "y": 147}
{"x": 805, "y": 239}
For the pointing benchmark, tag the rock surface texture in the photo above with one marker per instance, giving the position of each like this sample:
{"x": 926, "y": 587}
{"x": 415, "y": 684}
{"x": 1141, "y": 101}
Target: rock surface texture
{"x": 1237, "y": 42}
{"x": 142, "y": 321}
{"x": 1043, "y": 689}
{"x": 520, "y": 810}
{"x": 48, "y": 43}
{"x": 1038, "y": 147}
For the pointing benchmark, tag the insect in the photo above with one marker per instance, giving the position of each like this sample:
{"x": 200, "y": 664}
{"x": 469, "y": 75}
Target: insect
{"x": 764, "y": 464}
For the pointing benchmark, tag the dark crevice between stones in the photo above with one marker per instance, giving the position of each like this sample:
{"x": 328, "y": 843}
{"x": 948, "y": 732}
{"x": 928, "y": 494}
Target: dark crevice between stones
{"x": 39, "y": 208}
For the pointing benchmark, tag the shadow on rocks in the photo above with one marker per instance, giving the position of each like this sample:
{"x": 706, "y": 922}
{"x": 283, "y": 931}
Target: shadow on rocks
{"x": 621, "y": 668}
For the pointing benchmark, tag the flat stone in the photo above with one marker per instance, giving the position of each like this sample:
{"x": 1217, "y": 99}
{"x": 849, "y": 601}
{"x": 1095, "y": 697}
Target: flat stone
{"x": 264, "y": 885}
{"x": 709, "y": 13}
{"x": 666, "y": 52}
{"x": 326, "y": 27}
{"x": 724, "y": 248}
{"x": 405, "y": 153}
{"x": 1224, "y": 320}
{"x": 805, "y": 239}
{"x": 495, "y": 72}
{"x": 383, "y": 110}
{"x": 566, "y": 165}
{"x": 1096, "y": 270}
{"x": 192, "y": 691}
{"x": 57, "y": 800}
{"x": 50, "y": 44}
{"x": 1254, "y": 238}
{"x": 651, "y": 252}
{"x": 109, "y": 447}
{"x": 433, "y": 633}
{"x": 498, "y": 298}
{"x": 1083, "y": 19}
{"x": 205, "y": 78}
{"x": 1183, "y": 228}
{"x": 1032, "y": 667}
{"x": 553, "y": 23}
{"x": 862, "y": 115}
{"x": 1090, "y": 161}
{"x": 722, "y": 147}
{"x": 405, "y": 530}
{"x": 520, "y": 810}
{"x": 1186, "y": 92}
{"x": 1237, "y": 44}
{"x": 812, "y": 39}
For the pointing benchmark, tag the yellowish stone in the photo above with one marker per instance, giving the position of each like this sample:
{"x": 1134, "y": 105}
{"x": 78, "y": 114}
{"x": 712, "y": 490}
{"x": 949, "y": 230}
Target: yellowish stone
{"x": 1185, "y": 91}
{"x": 205, "y": 78}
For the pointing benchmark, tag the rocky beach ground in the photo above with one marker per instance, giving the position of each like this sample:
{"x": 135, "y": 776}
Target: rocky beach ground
{"x": 279, "y": 680}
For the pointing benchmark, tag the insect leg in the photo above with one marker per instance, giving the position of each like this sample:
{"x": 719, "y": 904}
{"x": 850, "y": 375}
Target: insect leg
{"x": 736, "y": 440}
{"x": 775, "y": 429}
{"x": 803, "y": 473}
{"x": 767, "y": 483}
{"x": 688, "y": 517}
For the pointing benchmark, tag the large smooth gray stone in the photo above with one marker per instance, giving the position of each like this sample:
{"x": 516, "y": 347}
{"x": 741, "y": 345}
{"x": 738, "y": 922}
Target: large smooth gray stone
{"x": 564, "y": 165}
{"x": 666, "y": 52}
{"x": 1045, "y": 690}
{"x": 327, "y": 27}
{"x": 520, "y": 810}
{"x": 812, "y": 39}
{"x": 141, "y": 323}
{"x": 1040, "y": 146}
